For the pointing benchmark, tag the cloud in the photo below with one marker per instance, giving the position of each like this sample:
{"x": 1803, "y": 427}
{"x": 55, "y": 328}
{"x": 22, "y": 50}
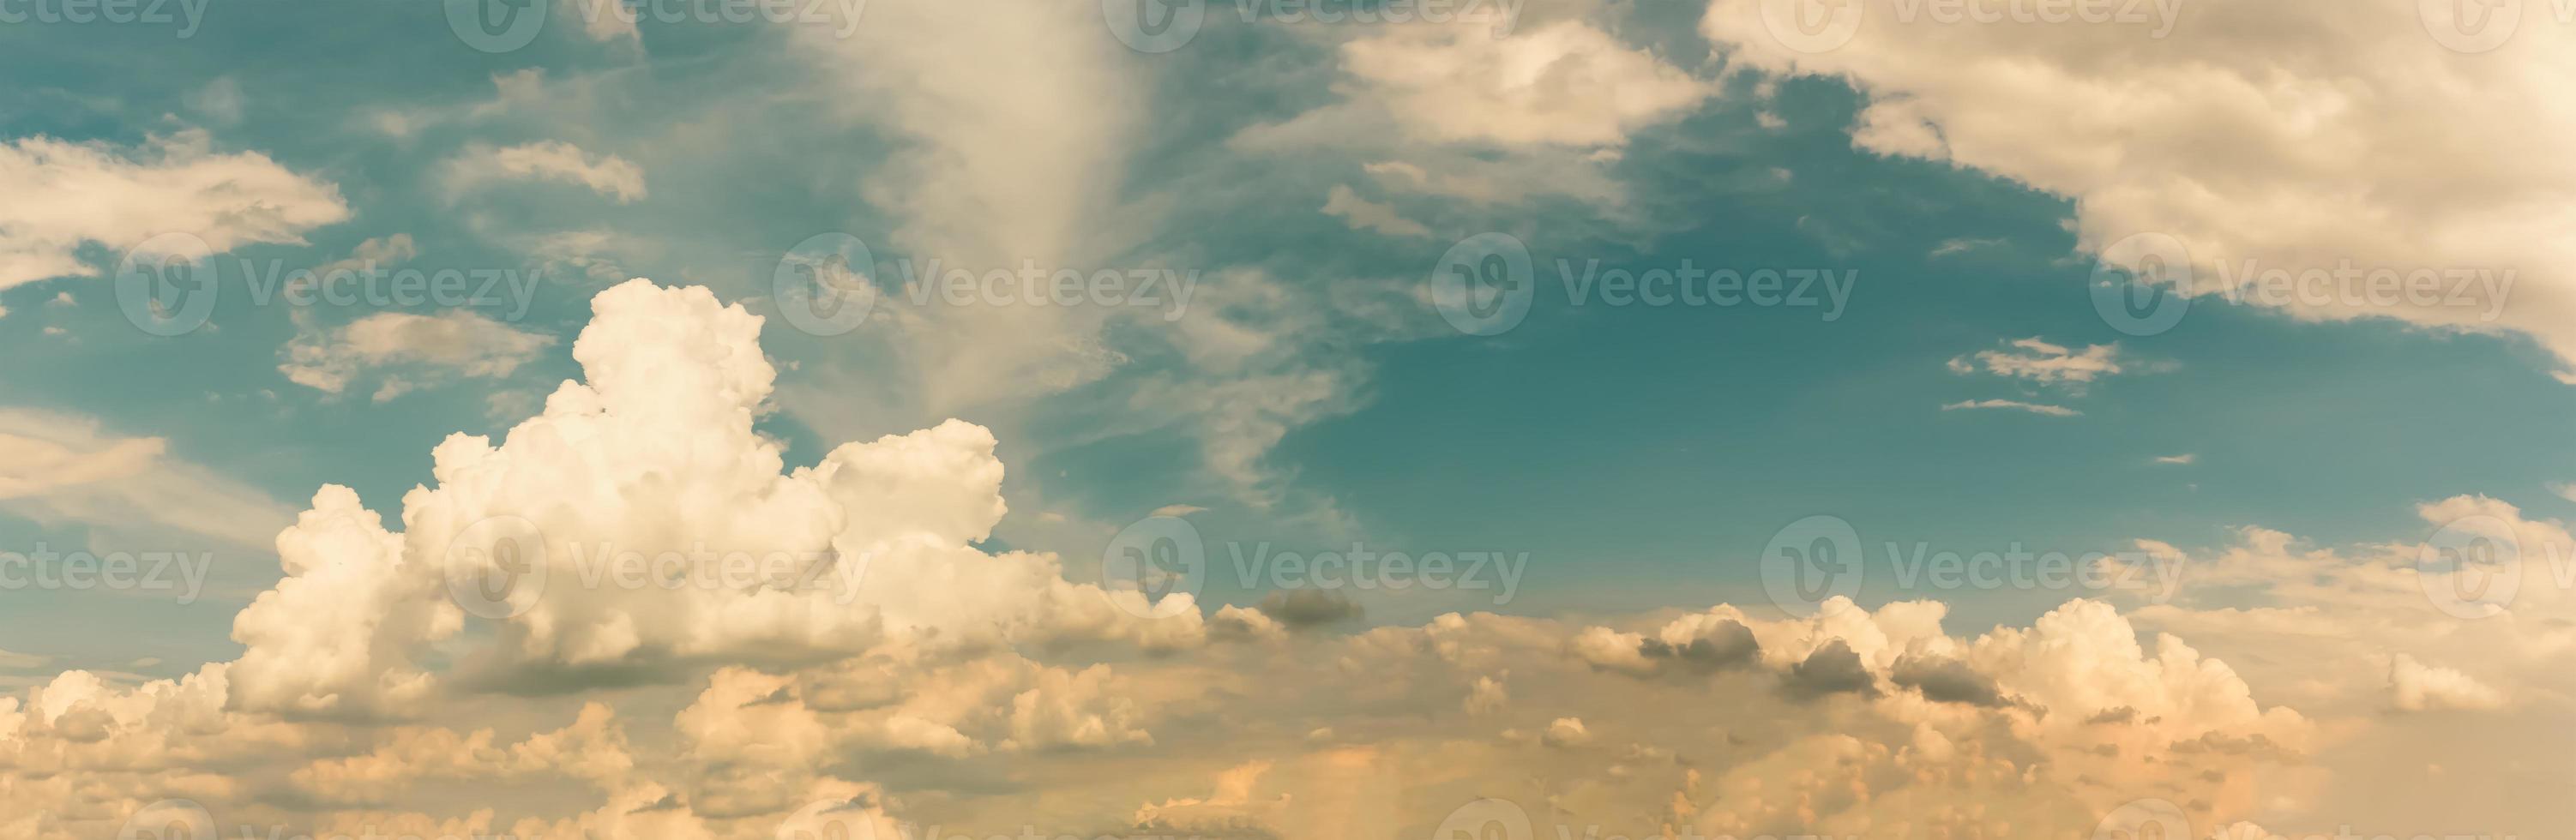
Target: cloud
{"x": 2308, "y": 136}
{"x": 1544, "y": 110}
{"x": 1362, "y": 214}
{"x": 1309, "y": 607}
{"x": 63, "y": 195}
{"x": 662, "y": 708}
{"x": 1564, "y": 83}
{"x": 673, "y": 382}
{"x": 1830, "y": 669}
{"x": 2182, "y": 459}
{"x": 2415, "y": 687}
{"x": 2043, "y": 363}
{"x": 2014, "y": 405}
{"x": 456, "y": 341}
{"x": 68, "y": 467}
{"x": 1013, "y": 159}
{"x": 546, "y": 160}
{"x": 1565, "y": 732}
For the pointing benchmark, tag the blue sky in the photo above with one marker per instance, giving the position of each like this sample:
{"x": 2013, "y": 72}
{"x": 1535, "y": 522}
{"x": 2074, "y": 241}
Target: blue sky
{"x": 1310, "y": 396}
{"x": 1663, "y": 445}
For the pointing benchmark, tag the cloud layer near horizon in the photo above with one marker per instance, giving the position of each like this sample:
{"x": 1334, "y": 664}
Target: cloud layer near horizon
{"x": 945, "y": 685}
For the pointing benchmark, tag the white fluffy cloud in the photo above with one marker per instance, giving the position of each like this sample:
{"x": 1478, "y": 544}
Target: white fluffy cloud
{"x": 2044, "y": 363}
{"x": 62, "y": 195}
{"x": 547, "y": 160}
{"x": 457, "y": 341}
{"x": 1564, "y": 83}
{"x": 2313, "y": 134}
{"x": 2414, "y": 687}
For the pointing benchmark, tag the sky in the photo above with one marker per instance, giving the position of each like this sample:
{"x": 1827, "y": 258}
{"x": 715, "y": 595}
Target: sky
{"x": 1287, "y": 418}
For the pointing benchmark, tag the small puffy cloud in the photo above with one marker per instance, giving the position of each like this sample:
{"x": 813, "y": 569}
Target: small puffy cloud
{"x": 1309, "y": 607}
{"x": 2013, "y": 405}
{"x": 456, "y": 341}
{"x": 2042, "y": 362}
{"x": 1566, "y": 83}
{"x": 1231, "y": 621}
{"x": 2179, "y": 460}
{"x": 1946, "y": 680}
{"x": 1831, "y": 669}
{"x": 2416, "y": 687}
{"x": 1362, "y": 214}
{"x": 63, "y": 195}
{"x": 548, "y": 160}
{"x": 1565, "y": 732}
